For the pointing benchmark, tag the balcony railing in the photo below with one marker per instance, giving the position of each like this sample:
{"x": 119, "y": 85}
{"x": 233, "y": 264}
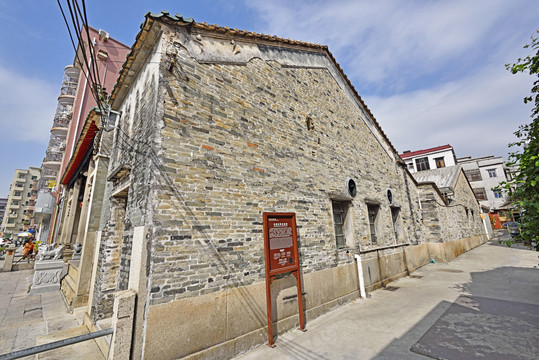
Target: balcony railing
{"x": 70, "y": 81}
{"x": 52, "y": 157}
{"x": 62, "y": 119}
{"x": 69, "y": 88}
{"x": 57, "y": 141}
{"x": 48, "y": 174}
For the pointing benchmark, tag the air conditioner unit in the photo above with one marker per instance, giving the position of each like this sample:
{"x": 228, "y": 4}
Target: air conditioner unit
{"x": 103, "y": 35}
{"x": 111, "y": 120}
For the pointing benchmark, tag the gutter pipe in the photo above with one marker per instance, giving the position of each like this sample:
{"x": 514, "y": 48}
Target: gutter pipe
{"x": 360, "y": 276}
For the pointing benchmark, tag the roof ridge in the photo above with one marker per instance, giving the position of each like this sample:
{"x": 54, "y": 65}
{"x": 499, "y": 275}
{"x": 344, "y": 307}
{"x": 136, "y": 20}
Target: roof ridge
{"x": 165, "y": 15}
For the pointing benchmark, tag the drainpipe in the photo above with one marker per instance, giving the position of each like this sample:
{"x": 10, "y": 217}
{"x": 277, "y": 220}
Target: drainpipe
{"x": 360, "y": 276}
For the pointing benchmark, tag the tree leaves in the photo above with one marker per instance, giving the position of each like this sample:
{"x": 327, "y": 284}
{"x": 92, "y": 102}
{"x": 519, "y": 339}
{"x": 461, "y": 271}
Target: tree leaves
{"x": 523, "y": 187}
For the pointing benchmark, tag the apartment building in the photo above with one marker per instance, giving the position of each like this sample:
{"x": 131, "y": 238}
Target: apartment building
{"x": 19, "y": 213}
{"x": 74, "y": 103}
{"x": 485, "y": 174}
{"x": 428, "y": 159}
{"x": 3, "y": 204}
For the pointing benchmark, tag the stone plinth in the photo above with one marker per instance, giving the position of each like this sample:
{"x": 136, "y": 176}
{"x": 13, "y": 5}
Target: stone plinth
{"x": 8, "y": 262}
{"x": 47, "y": 276}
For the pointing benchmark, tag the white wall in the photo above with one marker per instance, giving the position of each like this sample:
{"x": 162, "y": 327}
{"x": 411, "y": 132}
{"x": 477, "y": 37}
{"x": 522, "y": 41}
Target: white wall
{"x": 447, "y": 154}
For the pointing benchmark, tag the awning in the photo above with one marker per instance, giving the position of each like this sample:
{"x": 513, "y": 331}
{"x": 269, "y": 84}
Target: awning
{"x": 84, "y": 144}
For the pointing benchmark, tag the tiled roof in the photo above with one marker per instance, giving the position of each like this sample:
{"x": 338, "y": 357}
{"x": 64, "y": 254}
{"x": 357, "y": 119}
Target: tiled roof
{"x": 445, "y": 177}
{"x": 426, "y": 151}
{"x": 180, "y": 20}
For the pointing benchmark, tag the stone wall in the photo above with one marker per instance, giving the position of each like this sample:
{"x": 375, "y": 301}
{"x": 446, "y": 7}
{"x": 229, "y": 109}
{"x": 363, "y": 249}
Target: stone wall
{"x": 458, "y": 219}
{"x": 212, "y": 144}
{"x": 236, "y": 144}
{"x": 128, "y": 193}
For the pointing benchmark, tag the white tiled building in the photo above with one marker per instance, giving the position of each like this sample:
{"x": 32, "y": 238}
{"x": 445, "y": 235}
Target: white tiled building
{"x": 427, "y": 159}
{"x": 484, "y": 174}
{"x": 19, "y": 213}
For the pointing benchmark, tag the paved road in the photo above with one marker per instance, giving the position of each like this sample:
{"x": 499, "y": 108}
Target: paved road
{"x": 484, "y": 304}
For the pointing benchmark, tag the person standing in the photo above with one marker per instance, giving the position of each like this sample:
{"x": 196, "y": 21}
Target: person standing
{"x": 28, "y": 246}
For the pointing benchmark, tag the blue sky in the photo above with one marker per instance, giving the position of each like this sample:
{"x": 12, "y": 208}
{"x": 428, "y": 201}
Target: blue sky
{"x": 432, "y": 72}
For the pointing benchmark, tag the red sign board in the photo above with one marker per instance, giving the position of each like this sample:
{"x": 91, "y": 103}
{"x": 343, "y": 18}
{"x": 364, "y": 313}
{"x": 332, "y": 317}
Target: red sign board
{"x": 280, "y": 242}
{"x": 281, "y": 255}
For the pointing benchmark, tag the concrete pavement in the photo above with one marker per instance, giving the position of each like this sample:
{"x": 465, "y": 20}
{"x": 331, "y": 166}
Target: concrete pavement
{"x": 420, "y": 311}
{"x": 416, "y": 311}
{"x": 30, "y": 320}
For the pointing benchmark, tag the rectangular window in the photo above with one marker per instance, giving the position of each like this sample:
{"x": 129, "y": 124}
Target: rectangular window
{"x": 395, "y": 211}
{"x": 372, "y": 210}
{"x": 34, "y": 177}
{"x": 480, "y": 193}
{"x": 491, "y": 173}
{"x": 497, "y": 193}
{"x": 473, "y": 175}
{"x": 340, "y": 209}
{"x": 440, "y": 163}
{"x": 422, "y": 164}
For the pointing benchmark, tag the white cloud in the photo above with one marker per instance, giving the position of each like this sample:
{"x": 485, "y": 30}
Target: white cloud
{"x": 477, "y": 115}
{"x": 28, "y": 106}
{"x": 431, "y": 71}
{"x": 384, "y": 43}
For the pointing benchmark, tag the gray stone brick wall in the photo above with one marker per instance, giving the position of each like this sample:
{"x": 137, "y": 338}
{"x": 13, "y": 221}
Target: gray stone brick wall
{"x": 457, "y": 220}
{"x": 214, "y": 142}
{"x": 127, "y": 200}
{"x": 235, "y": 144}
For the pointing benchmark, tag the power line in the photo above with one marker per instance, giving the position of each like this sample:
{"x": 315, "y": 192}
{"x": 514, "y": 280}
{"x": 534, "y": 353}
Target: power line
{"x": 88, "y": 61}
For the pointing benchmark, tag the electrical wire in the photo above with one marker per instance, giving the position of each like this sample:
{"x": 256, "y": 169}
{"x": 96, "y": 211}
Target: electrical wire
{"x": 88, "y": 62}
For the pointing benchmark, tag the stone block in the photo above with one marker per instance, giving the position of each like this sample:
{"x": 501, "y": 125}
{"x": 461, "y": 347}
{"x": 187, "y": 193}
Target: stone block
{"x": 179, "y": 328}
{"x": 122, "y": 323}
{"x": 8, "y": 261}
{"x": 47, "y": 276}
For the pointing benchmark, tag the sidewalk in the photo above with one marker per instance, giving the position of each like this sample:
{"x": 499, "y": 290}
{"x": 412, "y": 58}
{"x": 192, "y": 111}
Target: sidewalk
{"x": 484, "y": 304}
{"x": 498, "y": 315}
{"x": 27, "y": 321}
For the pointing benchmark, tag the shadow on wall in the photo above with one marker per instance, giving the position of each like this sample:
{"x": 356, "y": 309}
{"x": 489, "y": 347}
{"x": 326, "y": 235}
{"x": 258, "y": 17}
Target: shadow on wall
{"x": 496, "y": 317}
{"x": 175, "y": 191}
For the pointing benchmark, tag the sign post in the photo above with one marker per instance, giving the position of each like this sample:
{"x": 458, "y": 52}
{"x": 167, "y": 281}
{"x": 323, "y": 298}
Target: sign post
{"x": 281, "y": 255}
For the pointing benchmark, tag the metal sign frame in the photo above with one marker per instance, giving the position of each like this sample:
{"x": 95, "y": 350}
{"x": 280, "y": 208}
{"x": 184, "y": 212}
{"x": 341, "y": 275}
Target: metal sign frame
{"x": 281, "y": 255}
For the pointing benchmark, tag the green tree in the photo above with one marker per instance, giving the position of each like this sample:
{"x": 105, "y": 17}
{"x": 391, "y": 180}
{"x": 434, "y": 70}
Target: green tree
{"x": 524, "y": 188}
